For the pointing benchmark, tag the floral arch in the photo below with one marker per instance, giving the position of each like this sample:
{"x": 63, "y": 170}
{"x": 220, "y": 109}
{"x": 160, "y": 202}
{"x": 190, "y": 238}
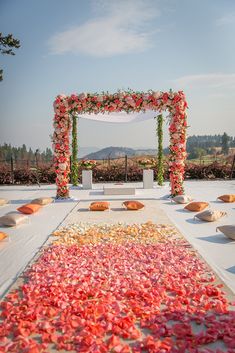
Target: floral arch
{"x": 66, "y": 107}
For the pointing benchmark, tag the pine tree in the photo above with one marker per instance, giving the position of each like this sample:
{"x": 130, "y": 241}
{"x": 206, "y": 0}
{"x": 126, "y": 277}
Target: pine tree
{"x": 225, "y": 143}
{"x": 7, "y": 44}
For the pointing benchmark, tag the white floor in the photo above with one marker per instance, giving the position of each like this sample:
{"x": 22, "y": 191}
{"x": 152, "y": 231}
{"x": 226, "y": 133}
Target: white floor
{"x": 25, "y": 241}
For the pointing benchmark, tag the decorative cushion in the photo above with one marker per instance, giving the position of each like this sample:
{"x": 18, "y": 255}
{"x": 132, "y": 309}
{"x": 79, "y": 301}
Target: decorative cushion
{"x": 42, "y": 201}
{"x": 3, "y": 235}
{"x": 196, "y": 206}
{"x": 182, "y": 199}
{"x": 99, "y": 206}
{"x": 133, "y": 205}
{"x": 13, "y": 219}
{"x": 227, "y": 198}
{"x": 29, "y": 208}
{"x": 228, "y": 230}
{"x": 210, "y": 215}
{"x": 3, "y": 202}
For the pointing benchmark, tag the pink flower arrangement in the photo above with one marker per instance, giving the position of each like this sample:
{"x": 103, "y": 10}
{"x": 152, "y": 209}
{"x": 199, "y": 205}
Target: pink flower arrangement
{"x": 129, "y": 101}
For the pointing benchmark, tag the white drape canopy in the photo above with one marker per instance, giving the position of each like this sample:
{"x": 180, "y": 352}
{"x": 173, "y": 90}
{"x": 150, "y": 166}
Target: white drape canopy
{"x": 120, "y": 117}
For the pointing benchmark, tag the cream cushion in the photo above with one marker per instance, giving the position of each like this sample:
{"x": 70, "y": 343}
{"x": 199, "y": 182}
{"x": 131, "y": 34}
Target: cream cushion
{"x": 228, "y": 231}
{"x": 182, "y": 199}
{"x": 3, "y": 202}
{"x": 13, "y": 219}
{"x": 42, "y": 201}
{"x": 210, "y": 215}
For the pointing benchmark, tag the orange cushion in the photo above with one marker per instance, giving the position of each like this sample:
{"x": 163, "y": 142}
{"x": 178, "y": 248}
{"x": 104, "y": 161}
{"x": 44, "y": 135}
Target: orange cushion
{"x": 29, "y": 208}
{"x": 196, "y": 206}
{"x": 227, "y": 198}
{"x": 3, "y": 235}
{"x": 133, "y": 205}
{"x": 99, "y": 206}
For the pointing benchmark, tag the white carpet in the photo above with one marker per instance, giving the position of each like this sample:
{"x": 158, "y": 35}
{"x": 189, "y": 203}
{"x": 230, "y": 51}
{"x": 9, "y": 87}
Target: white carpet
{"x": 25, "y": 241}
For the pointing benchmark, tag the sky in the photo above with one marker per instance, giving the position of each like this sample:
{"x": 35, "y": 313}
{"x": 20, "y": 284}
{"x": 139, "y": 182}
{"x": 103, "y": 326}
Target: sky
{"x": 105, "y": 45}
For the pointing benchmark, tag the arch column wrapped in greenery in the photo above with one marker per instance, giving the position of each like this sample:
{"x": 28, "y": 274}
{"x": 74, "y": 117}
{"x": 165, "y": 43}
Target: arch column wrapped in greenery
{"x": 160, "y": 168}
{"x": 129, "y": 101}
{"x": 74, "y": 156}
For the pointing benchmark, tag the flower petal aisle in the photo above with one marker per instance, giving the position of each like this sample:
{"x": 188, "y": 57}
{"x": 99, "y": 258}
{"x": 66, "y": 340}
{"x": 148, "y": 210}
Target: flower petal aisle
{"x": 117, "y": 288}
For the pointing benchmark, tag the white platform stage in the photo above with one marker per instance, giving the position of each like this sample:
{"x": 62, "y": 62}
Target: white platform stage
{"x": 119, "y": 189}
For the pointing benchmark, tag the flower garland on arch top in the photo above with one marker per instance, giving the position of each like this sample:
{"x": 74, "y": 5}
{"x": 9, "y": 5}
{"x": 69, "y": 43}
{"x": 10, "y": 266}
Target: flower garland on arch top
{"x": 128, "y": 101}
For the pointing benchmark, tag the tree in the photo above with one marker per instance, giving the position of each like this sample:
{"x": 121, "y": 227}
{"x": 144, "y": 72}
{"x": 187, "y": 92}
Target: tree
{"x": 49, "y": 155}
{"x": 225, "y": 143}
{"x": 7, "y": 44}
{"x": 30, "y": 154}
{"x": 23, "y": 152}
{"x": 197, "y": 153}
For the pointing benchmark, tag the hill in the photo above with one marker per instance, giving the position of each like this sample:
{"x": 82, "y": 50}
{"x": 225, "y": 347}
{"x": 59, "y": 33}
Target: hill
{"x": 83, "y": 151}
{"x": 117, "y": 152}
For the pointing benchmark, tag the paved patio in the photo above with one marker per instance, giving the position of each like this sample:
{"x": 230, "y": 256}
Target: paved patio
{"x": 25, "y": 241}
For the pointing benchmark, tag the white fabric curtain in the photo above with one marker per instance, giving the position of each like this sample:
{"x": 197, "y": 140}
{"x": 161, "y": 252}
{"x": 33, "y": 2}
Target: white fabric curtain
{"x": 120, "y": 117}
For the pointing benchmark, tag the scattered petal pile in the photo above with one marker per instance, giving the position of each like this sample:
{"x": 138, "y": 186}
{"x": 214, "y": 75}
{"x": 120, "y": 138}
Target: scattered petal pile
{"x": 146, "y": 233}
{"x": 119, "y": 297}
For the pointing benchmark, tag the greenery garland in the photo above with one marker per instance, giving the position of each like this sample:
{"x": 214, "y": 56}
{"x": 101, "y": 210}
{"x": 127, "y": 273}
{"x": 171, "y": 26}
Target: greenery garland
{"x": 160, "y": 171}
{"x": 74, "y": 157}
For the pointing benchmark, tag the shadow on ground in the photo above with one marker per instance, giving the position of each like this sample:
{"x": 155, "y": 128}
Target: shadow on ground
{"x": 218, "y": 239}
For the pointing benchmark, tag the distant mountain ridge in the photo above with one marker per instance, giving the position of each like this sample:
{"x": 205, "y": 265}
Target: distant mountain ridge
{"x": 83, "y": 151}
{"x": 117, "y": 152}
